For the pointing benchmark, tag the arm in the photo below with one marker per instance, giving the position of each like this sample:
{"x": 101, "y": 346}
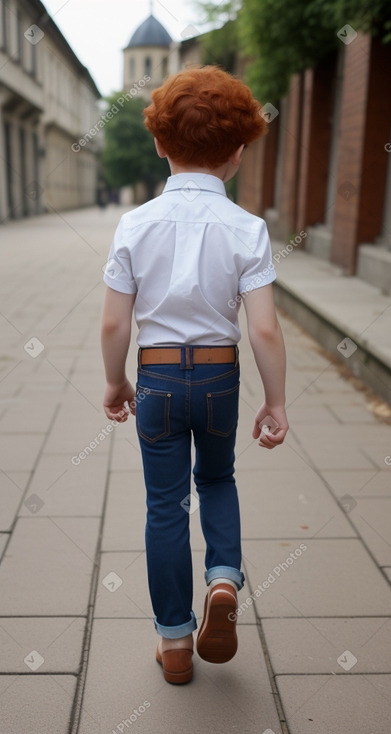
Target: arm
{"x": 115, "y": 340}
{"x": 267, "y": 343}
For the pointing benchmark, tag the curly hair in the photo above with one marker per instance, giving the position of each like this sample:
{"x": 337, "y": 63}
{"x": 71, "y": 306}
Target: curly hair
{"x": 202, "y": 115}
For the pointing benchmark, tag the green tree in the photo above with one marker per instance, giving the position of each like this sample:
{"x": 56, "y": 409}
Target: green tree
{"x": 220, "y": 46}
{"x": 368, "y": 16}
{"x": 129, "y": 155}
{"x": 281, "y": 37}
{"x": 284, "y": 38}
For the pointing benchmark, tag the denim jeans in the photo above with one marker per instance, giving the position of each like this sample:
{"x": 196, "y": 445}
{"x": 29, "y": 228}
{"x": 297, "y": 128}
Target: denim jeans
{"x": 174, "y": 403}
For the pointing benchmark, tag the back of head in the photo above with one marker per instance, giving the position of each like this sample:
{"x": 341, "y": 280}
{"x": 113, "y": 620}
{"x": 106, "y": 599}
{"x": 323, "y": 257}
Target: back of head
{"x": 202, "y": 115}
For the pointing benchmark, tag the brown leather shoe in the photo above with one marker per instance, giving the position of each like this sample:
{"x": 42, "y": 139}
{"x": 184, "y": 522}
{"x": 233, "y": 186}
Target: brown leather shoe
{"x": 177, "y": 664}
{"x": 217, "y": 641}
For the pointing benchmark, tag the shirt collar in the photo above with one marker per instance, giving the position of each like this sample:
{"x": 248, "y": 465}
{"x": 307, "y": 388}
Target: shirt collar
{"x": 195, "y": 181}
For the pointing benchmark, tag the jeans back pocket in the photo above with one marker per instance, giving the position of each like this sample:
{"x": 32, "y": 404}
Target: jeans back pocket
{"x": 152, "y": 413}
{"x": 223, "y": 409}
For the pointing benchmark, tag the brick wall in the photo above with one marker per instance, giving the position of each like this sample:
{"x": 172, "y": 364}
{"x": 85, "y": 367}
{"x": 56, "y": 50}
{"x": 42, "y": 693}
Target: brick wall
{"x": 291, "y": 158}
{"x": 305, "y": 136}
{"x": 315, "y": 143}
{"x": 351, "y": 142}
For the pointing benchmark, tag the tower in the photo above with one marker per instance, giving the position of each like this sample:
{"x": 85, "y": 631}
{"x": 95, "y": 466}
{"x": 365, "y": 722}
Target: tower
{"x": 146, "y": 55}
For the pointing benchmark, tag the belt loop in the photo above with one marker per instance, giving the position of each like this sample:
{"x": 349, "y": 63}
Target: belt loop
{"x": 189, "y": 358}
{"x": 139, "y": 357}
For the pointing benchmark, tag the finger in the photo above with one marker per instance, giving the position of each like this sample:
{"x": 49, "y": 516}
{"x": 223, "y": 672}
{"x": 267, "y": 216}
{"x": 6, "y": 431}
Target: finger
{"x": 275, "y": 439}
{"x": 256, "y": 430}
{"x": 265, "y": 443}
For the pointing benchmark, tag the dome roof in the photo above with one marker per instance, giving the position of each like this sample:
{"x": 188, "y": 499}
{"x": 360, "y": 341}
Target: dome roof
{"x": 150, "y": 33}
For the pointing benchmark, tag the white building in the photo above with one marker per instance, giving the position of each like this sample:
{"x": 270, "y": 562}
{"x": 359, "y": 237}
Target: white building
{"x": 48, "y": 100}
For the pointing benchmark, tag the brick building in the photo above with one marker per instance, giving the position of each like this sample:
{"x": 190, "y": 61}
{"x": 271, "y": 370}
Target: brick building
{"x": 325, "y": 164}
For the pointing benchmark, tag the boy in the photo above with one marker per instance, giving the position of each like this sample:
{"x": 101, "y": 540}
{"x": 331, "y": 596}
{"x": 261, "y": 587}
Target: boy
{"x": 181, "y": 260}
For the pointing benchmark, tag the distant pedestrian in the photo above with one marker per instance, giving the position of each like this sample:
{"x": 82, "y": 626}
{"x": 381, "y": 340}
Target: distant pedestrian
{"x": 184, "y": 261}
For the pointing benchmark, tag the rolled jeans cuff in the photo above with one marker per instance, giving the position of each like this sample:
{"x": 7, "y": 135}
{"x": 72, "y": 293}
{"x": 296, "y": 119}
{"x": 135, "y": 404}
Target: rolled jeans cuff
{"x": 225, "y": 572}
{"x": 176, "y": 631}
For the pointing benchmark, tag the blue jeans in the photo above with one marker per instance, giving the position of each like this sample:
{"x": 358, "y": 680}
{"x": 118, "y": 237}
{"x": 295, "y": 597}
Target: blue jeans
{"x": 175, "y": 402}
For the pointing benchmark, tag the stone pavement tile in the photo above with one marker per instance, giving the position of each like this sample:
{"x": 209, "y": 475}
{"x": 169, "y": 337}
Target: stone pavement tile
{"x": 303, "y": 356}
{"x": 310, "y": 416}
{"x": 314, "y": 645}
{"x": 362, "y": 483}
{"x": 129, "y": 597}
{"x": 312, "y": 397}
{"x": 353, "y": 413}
{"x": 126, "y": 452}
{"x": 28, "y": 415}
{"x": 3, "y": 541}
{"x": 249, "y": 455}
{"x": 331, "y": 381}
{"x": 13, "y": 485}
{"x": 124, "y": 524}
{"x": 58, "y": 640}
{"x": 9, "y": 389}
{"x": 328, "y": 579}
{"x": 19, "y": 451}
{"x": 48, "y": 566}
{"x": 36, "y": 703}
{"x": 372, "y": 519}
{"x": 387, "y": 571}
{"x": 64, "y": 488}
{"x": 331, "y": 704}
{"x": 53, "y": 366}
{"x": 51, "y": 390}
{"x": 379, "y": 451}
{"x": 233, "y": 697}
{"x": 70, "y": 435}
{"x": 334, "y": 448}
{"x": 286, "y": 504}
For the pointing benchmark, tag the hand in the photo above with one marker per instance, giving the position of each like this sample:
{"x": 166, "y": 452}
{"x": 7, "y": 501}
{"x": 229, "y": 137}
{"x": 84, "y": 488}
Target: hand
{"x": 274, "y": 438}
{"x": 114, "y": 401}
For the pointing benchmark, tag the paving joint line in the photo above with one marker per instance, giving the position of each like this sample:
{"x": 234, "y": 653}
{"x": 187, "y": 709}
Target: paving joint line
{"x": 275, "y": 692}
{"x": 30, "y": 479}
{"x": 76, "y": 712}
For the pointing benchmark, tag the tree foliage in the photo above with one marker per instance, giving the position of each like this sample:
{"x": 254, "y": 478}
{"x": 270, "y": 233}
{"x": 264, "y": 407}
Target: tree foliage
{"x": 129, "y": 155}
{"x": 282, "y": 37}
{"x": 220, "y": 46}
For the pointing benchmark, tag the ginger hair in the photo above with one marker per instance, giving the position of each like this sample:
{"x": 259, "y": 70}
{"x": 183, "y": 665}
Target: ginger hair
{"x": 202, "y": 115}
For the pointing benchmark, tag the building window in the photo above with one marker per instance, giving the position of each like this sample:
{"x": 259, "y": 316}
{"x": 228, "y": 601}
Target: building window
{"x": 148, "y": 66}
{"x": 132, "y": 70}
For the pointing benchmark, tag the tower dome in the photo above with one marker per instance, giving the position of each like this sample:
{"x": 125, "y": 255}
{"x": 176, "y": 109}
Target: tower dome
{"x": 146, "y": 57}
{"x": 150, "y": 33}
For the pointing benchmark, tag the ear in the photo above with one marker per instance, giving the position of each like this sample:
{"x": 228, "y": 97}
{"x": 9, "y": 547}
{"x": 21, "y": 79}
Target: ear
{"x": 236, "y": 157}
{"x": 159, "y": 149}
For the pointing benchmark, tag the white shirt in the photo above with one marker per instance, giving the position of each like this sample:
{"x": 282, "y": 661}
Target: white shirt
{"x": 188, "y": 254}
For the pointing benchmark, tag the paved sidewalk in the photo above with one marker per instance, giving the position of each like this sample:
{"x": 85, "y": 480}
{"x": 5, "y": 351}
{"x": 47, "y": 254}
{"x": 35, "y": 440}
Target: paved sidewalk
{"x": 76, "y": 637}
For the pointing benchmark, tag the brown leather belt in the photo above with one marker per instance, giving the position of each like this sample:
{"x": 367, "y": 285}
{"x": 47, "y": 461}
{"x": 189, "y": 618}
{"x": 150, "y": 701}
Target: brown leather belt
{"x": 201, "y": 355}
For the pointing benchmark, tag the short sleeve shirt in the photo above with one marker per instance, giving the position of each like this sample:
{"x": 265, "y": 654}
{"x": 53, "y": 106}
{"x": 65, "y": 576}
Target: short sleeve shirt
{"x": 190, "y": 255}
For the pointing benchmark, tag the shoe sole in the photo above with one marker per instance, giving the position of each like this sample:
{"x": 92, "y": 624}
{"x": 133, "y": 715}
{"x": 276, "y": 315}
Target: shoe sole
{"x": 185, "y": 676}
{"x": 217, "y": 640}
